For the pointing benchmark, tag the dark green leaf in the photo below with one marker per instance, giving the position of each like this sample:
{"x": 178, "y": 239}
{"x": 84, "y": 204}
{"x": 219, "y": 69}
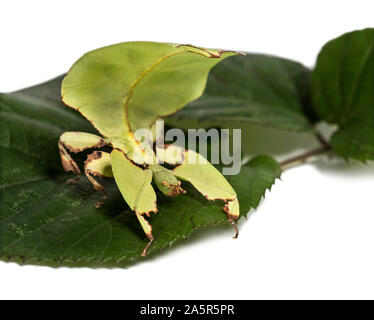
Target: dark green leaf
{"x": 255, "y": 178}
{"x": 343, "y": 92}
{"x": 260, "y": 89}
{"x": 45, "y": 221}
{"x": 356, "y": 140}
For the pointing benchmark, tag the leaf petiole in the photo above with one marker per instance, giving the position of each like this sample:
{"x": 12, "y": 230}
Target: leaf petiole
{"x": 302, "y": 158}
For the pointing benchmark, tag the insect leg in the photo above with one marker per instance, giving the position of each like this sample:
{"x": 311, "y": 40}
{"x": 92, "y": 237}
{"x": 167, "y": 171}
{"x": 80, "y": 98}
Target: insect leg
{"x": 98, "y": 164}
{"x": 147, "y": 228}
{"x": 135, "y": 186}
{"x": 76, "y": 142}
{"x": 194, "y": 168}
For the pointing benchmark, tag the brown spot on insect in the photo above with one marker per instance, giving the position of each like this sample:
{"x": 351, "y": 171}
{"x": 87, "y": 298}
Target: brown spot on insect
{"x": 93, "y": 166}
{"x": 96, "y": 155}
{"x": 151, "y": 239}
{"x": 232, "y": 219}
{"x": 148, "y": 213}
{"x": 99, "y": 204}
{"x": 101, "y": 144}
{"x": 68, "y": 164}
{"x": 235, "y": 229}
{"x": 164, "y": 183}
{"x": 176, "y": 190}
{"x": 225, "y": 200}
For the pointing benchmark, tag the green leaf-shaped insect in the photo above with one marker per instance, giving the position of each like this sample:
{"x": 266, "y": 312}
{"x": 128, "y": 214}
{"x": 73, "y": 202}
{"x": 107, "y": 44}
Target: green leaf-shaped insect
{"x": 126, "y": 87}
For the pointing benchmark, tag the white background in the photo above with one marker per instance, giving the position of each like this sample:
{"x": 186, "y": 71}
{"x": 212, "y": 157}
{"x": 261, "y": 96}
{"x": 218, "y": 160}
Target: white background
{"x": 313, "y": 237}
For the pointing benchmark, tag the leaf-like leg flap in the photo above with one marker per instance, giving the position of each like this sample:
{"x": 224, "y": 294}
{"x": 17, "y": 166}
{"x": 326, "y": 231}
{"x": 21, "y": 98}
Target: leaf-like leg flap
{"x": 195, "y": 169}
{"x": 98, "y": 164}
{"x": 232, "y": 210}
{"x": 135, "y": 186}
{"x": 68, "y": 163}
{"x": 147, "y": 230}
{"x": 134, "y": 183}
{"x": 76, "y": 142}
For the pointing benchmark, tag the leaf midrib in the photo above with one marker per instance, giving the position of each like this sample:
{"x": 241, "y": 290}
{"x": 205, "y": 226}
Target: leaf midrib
{"x": 353, "y": 92}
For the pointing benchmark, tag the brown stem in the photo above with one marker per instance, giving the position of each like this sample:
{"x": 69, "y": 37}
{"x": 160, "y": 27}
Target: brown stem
{"x": 322, "y": 140}
{"x": 305, "y": 156}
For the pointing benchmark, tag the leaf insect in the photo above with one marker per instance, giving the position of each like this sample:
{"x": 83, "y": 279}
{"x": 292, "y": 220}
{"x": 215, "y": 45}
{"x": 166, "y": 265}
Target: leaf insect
{"x": 126, "y": 87}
